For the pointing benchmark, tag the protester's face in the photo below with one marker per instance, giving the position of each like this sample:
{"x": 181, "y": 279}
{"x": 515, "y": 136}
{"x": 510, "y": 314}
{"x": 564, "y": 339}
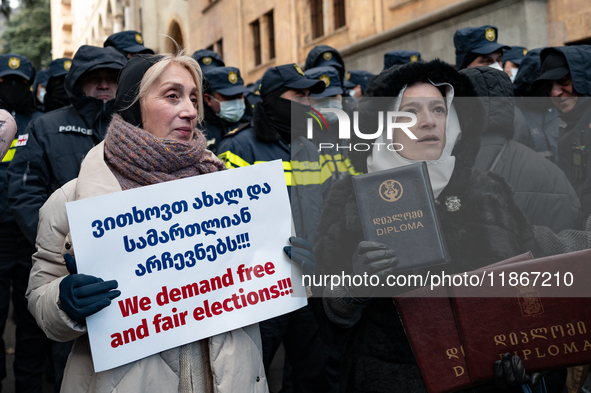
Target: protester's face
{"x": 563, "y": 96}
{"x": 299, "y": 95}
{"x": 214, "y": 99}
{"x": 169, "y": 109}
{"x": 100, "y": 84}
{"x": 487, "y": 60}
{"x": 427, "y": 103}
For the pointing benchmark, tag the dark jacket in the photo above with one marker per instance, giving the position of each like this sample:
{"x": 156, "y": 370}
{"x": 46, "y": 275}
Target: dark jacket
{"x": 58, "y": 141}
{"x": 304, "y": 174}
{"x": 8, "y": 226}
{"x": 541, "y": 115}
{"x": 487, "y": 228}
{"x": 574, "y": 129}
{"x": 540, "y": 188}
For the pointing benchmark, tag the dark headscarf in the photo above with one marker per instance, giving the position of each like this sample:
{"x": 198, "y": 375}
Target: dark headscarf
{"x": 128, "y": 87}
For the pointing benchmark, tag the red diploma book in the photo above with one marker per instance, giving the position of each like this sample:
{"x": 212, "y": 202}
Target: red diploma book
{"x": 537, "y": 322}
{"x": 431, "y": 329}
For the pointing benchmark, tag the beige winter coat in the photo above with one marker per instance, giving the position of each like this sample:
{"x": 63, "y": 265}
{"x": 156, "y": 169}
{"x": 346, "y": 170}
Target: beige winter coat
{"x": 235, "y": 356}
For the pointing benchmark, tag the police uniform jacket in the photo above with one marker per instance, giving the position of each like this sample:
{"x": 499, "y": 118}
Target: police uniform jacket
{"x": 54, "y": 145}
{"x": 6, "y": 218}
{"x": 305, "y": 174}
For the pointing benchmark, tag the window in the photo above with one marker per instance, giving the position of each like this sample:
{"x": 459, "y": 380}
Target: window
{"x": 271, "y": 34}
{"x": 219, "y": 48}
{"x": 339, "y": 13}
{"x": 256, "y": 40}
{"x": 210, "y": 47}
{"x": 317, "y": 18}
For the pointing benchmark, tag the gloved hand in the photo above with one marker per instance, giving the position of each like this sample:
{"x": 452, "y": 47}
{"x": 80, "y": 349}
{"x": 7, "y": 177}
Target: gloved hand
{"x": 302, "y": 254}
{"x": 372, "y": 258}
{"x": 82, "y": 295}
{"x": 510, "y": 372}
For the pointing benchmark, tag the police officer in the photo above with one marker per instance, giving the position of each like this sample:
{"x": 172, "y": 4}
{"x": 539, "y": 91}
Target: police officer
{"x": 478, "y": 46}
{"x": 512, "y": 59}
{"x": 128, "y": 42}
{"x": 273, "y": 137}
{"x": 324, "y": 55}
{"x": 51, "y": 149}
{"x": 565, "y": 75}
{"x": 331, "y": 97}
{"x": 56, "y": 95}
{"x": 208, "y": 59}
{"x": 356, "y": 81}
{"x": 225, "y": 108}
{"x": 39, "y": 89}
{"x": 400, "y": 57}
{"x": 16, "y": 96}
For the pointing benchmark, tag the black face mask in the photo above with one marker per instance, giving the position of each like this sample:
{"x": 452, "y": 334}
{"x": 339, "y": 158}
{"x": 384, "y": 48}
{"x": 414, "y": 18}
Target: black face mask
{"x": 278, "y": 111}
{"x": 18, "y": 97}
{"x": 56, "y": 96}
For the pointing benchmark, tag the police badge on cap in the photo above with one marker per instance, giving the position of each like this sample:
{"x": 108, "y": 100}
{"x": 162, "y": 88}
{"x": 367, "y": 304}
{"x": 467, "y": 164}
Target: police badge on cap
{"x": 327, "y": 56}
{"x": 233, "y": 77}
{"x": 206, "y": 60}
{"x": 139, "y": 39}
{"x": 14, "y": 63}
{"x": 489, "y": 34}
{"x": 67, "y": 65}
{"x": 298, "y": 69}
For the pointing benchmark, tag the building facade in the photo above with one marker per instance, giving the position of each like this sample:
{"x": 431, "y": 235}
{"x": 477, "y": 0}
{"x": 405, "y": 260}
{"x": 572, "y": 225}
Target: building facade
{"x": 255, "y": 35}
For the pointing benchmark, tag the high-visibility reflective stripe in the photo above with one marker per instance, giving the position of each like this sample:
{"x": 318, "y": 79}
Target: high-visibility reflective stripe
{"x": 232, "y": 160}
{"x": 10, "y": 153}
{"x": 296, "y": 172}
{"x": 337, "y": 160}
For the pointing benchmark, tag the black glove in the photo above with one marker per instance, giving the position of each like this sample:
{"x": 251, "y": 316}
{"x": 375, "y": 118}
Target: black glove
{"x": 509, "y": 372}
{"x": 372, "y": 258}
{"x": 302, "y": 254}
{"x": 82, "y": 295}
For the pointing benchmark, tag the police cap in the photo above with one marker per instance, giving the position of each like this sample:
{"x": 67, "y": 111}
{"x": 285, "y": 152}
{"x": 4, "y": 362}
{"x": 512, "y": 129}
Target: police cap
{"x": 479, "y": 40}
{"x": 225, "y": 80}
{"x": 208, "y": 59}
{"x": 357, "y": 77}
{"x": 59, "y": 67}
{"x": 290, "y": 76}
{"x": 13, "y": 64}
{"x": 129, "y": 41}
{"x": 514, "y": 55}
{"x": 331, "y": 79}
{"x": 324, "y": 55}
{"x": 399, "y": 57}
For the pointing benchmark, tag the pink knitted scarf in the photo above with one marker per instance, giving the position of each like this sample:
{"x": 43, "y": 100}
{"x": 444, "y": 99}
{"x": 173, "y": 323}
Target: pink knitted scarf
{"x": 137, "y": 158}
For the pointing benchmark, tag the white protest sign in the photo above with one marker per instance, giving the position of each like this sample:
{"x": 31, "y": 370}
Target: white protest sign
{"x": 193, "y": 258}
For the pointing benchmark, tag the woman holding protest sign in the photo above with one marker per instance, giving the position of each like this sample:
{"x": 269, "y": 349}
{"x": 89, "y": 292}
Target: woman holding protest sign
{"x": 152, "y": 138}
{"x": 479, "y": 219}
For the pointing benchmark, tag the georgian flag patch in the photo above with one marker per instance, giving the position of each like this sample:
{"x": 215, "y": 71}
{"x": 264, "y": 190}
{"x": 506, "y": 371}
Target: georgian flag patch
{"x": 22, "y": 140}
